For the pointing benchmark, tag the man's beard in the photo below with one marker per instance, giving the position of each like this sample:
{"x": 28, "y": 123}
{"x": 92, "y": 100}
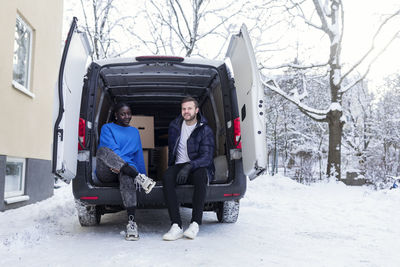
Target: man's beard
{"x": 190, "y": 118}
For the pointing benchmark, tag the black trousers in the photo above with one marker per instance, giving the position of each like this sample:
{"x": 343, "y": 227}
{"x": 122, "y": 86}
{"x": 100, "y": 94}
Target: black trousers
{"x": 199, "y": 179}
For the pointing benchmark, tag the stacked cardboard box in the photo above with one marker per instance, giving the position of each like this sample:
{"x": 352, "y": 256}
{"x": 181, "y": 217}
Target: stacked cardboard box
{"x": 145, "y": 125}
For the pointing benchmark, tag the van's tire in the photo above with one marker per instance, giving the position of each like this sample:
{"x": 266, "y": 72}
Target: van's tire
{"x": 88, "y": 215}
{"x": 227, "y": 211}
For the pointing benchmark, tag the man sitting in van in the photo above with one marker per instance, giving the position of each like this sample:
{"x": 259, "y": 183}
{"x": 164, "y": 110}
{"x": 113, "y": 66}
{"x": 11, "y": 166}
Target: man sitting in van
{"x": 190, "y": 160}
{"x": 120, "y": 159}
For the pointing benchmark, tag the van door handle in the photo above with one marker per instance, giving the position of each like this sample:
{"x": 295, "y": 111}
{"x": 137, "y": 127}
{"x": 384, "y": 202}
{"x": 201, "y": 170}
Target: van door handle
{"x": 60, "y": 133}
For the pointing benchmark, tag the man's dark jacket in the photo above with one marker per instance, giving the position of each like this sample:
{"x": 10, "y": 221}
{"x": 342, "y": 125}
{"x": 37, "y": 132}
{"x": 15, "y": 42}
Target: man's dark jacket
{"x": 200, "y": 144}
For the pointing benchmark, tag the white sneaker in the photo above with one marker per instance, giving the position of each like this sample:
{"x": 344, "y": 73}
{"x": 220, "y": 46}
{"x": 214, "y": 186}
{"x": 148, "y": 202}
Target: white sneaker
{"x": 192, "y": 231}
{"x": 131, "y": 231}
{"x": 174, "y": 233}
{"x": 146, "y": 182}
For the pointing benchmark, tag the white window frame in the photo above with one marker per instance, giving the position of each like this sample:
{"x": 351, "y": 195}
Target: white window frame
{"x": 16, "y": 84}
{"x": 21, "y": 192}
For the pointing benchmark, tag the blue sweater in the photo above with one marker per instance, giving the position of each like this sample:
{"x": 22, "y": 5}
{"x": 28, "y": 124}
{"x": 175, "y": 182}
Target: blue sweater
{"x": 125, "y": 142}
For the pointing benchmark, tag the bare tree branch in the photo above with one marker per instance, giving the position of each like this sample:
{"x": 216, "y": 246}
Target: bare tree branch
{"x": 317, "y": 115}
{"x": 297, "y": 66}
{"x": 321, "y": 15}
{"x": 302, "y": 15}
{"x": 87, "y": 27}
{"x": 339, "y": 50}
{"x": 184, "y": 17}
{"x": 362, "y": 59}
{"x": 219, "y": 24}
{"x": 123, "y": 52}
{"x": 95, "y": 35}
{"x": 178, "y": 25}
{"x": 349, "y": 86}
{"x": 169, "y": 24}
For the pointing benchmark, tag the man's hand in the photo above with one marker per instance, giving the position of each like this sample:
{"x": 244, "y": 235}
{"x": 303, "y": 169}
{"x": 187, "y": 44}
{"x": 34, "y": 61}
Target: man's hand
{"x": 183, "y": 174}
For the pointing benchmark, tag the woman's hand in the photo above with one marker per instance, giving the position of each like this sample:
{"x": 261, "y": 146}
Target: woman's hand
{"x": 114, "y": 171}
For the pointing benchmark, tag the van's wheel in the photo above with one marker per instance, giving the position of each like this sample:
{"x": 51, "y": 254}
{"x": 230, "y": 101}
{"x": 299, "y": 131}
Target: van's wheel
{"x": 227, "y": 211}
{"x": 88, "y": 215}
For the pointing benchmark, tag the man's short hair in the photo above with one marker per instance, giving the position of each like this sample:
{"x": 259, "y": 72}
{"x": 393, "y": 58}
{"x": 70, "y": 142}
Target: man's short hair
{"x": 190, "y": 99}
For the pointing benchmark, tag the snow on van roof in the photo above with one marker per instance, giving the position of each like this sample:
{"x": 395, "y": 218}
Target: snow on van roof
{"x": 187, "y": 60}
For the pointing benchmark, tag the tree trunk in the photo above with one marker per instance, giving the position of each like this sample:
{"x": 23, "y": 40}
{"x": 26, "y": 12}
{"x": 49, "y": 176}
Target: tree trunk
{"x": 335, "y": 143}
{"x": 286, "y": 150}
{"x": 385, "y": 157}
{"x": 275, "y": 148}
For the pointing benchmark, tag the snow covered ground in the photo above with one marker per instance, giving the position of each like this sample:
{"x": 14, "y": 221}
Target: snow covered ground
{"x": 281, "y": 223}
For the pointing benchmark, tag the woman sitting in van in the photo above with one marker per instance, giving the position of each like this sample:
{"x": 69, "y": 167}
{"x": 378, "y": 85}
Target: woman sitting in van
{"x": 120, "y": 158}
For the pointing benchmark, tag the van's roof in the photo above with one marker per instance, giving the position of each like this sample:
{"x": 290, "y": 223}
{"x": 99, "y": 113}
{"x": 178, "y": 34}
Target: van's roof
{"x": 187, "y": 60}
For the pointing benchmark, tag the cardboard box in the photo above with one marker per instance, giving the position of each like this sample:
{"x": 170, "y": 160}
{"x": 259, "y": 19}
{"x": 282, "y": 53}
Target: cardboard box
{"x": 145, "y": 125}
{"x": 146, "y": 160}
{"x": 162, "y": 163}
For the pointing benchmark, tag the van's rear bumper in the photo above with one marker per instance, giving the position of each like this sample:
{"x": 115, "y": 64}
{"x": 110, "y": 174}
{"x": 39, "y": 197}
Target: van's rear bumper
{"x": 86, "y": 192}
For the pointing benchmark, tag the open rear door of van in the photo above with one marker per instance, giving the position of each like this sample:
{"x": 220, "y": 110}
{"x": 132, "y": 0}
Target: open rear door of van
{"x": 70, "y": 83}
{"x": 250, "y": 101}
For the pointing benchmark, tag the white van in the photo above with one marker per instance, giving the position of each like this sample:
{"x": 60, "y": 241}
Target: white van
{"x": 154, "y": 86}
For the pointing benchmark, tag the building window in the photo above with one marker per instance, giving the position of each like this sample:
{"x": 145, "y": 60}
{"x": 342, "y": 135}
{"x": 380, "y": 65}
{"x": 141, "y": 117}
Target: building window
{"x": 22, "y": 55}
{"x": 15, "y": 177}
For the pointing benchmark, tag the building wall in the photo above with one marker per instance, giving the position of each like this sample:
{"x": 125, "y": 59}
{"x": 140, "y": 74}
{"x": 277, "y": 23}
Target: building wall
{"x": 26, "y": 122}
{"x": 2, "y": 180}
{"x": 39, "y": 182}
{"x": 26, "y": 129}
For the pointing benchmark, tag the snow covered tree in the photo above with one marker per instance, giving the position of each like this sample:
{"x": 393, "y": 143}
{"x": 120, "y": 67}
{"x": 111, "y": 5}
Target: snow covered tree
{"x": 357, "y": 132}
{"x": 297, "y": 139}
{"x": 330, "y": 21}
{"x": 383, "y": 155}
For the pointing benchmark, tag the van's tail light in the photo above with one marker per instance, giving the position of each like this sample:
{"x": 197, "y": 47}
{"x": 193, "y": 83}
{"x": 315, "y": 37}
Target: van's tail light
{"x": 81, "y": 134}
{"x": 89, "y": 198}
{"x": 232, "y": 195}
{"x": 236, "y": 133}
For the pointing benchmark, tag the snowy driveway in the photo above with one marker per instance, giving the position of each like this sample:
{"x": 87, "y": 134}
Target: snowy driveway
{"x": 281, "y": 223}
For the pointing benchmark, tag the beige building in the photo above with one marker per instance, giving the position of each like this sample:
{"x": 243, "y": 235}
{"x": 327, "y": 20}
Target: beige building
{"x": 30, "y": 52}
